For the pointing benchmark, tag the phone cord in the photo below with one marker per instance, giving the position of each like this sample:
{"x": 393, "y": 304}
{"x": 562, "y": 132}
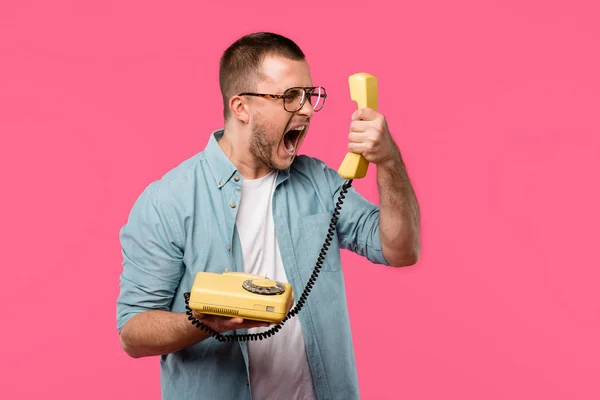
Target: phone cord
{"x": 299, "y": 304}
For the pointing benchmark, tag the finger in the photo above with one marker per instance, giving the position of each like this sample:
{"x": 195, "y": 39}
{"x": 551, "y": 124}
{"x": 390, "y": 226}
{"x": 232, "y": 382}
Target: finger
{"x": 357, "y": 137}
{"x": 198, "y": 315}
{"x": 233, "y": 323}
{"x": 207, "y": 318}
{"x": 360, "y": 126}
{"x": 364, "y": 114}
{"x": 253, "y": 322}
{"x": 359, "y": 148}
{"x": 218, "y": 323}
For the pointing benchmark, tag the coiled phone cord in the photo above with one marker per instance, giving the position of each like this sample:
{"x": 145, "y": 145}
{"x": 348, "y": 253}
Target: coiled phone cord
{"x": 301, "y": 301}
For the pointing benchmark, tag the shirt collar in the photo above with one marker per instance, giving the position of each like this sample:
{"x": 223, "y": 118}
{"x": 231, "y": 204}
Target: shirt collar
{"x": 222, "y": 168}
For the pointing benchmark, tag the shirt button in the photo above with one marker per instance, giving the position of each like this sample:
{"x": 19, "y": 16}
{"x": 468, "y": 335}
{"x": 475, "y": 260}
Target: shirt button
{"x": 232, "y": 204}
{"x": 220, "y": 183}
{"x": 229, "y": 248}
{"x": 236, "y": 178}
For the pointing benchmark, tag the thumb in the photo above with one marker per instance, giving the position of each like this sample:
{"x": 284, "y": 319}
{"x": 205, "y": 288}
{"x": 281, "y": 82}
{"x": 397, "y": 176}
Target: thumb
{"x": 198, "y": 316}
{"x": 232, "y": 323}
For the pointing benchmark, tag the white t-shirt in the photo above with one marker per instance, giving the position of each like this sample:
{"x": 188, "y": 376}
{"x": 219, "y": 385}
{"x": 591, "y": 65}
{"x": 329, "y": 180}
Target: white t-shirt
{"x": 278, "y": 364}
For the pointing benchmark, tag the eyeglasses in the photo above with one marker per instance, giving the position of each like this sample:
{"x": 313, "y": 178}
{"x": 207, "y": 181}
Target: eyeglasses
{"x": 295, "y": 97}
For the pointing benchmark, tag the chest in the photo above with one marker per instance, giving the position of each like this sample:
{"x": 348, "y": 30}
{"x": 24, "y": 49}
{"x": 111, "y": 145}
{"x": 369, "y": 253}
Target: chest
{"x": 298, "y": 216}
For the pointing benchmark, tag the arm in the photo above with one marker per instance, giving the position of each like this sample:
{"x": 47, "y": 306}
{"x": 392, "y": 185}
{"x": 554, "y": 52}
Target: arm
{"x": 158, "y": 332}
{"x": 152, "y": 268}
{"x": 153, "y": 246}
{"x": 399, "y": 215}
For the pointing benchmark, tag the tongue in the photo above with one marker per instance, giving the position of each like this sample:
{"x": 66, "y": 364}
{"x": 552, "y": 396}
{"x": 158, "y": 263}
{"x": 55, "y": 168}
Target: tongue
{"x": 289, "y": 144}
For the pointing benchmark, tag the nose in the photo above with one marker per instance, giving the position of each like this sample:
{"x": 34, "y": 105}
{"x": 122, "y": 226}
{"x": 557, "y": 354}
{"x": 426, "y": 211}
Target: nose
{"x": 307, "y": 108}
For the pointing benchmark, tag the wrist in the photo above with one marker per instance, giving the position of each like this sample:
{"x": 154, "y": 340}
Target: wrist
{"x": 392, "y": 164}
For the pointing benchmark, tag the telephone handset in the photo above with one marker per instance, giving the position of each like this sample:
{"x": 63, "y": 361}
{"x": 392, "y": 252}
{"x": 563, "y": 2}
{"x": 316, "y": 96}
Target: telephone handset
{"x": 363, "y": 90}
{"x": 247, "y": 296}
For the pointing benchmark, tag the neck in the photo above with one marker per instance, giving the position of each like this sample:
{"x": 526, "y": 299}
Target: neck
{"x": 236, "y": 146}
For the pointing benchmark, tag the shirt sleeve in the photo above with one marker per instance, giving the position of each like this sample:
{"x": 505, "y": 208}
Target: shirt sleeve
{"x": 152, "y": 254}
{"x": 358, "y": 221}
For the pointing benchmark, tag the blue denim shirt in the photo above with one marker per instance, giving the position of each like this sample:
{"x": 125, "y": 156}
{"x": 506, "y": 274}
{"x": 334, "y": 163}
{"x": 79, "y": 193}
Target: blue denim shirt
{"x": 184, "y": 223}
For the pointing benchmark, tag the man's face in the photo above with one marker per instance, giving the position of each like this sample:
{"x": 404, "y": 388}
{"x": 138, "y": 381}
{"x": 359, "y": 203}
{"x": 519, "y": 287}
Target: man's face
{"x": 276, "y": 133}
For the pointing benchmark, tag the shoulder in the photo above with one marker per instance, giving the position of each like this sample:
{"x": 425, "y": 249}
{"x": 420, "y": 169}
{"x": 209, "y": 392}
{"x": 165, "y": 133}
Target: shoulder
{"x": 174, "y": 191}
{"x": 310, "y": 167}
{"x": 315, "y": 170}
{"x": 305, "y": 162}
{"x": 181, "y": 178}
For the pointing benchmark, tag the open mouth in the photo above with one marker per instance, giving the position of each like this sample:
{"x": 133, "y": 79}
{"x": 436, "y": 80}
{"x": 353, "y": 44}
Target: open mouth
{"x": 292, "y": 137}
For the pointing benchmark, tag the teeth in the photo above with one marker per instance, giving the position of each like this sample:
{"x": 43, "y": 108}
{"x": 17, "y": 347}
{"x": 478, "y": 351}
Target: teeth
{"x": 289, "y": 144}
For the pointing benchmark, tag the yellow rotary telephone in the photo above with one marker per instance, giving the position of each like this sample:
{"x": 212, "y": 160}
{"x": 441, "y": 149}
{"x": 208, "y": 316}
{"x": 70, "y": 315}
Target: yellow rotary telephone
{"x": 253, "y": 297}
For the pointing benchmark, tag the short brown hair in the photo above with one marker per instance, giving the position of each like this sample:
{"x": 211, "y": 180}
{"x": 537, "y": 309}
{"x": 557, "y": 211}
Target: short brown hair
{"x": 240, "y": 63}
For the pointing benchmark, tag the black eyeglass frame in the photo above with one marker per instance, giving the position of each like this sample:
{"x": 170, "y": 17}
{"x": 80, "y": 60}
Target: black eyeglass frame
{"x": 307, "y": 92}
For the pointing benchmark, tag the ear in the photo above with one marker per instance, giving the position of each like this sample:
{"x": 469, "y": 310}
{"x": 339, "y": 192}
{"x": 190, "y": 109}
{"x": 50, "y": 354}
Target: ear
{"x": 238, "y": 109}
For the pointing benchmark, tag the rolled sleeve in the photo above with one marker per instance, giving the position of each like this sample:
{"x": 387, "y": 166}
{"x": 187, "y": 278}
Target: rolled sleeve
{"x": 358, "y": 222}
{"x": 152, "y": 254}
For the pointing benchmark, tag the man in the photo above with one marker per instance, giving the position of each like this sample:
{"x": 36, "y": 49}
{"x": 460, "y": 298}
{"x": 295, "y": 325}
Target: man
{"x": 249, "y": 203}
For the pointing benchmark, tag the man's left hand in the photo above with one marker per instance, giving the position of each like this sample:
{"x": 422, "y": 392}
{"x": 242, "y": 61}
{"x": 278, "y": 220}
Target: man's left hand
{"x": 369, "y": 135}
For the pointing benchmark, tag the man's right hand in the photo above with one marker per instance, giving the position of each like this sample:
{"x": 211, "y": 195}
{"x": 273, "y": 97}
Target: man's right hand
{"x": 224, "y": 324}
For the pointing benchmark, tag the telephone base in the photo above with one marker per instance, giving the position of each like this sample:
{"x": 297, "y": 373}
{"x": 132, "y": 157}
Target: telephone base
{"x": 241, "y": 295}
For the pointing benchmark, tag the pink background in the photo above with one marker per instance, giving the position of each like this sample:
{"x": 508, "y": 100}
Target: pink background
{"x": 495, "y": 106}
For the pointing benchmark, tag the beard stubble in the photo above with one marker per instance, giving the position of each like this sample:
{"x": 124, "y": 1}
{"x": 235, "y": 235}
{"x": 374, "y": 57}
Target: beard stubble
{"x": 260, "y": 145}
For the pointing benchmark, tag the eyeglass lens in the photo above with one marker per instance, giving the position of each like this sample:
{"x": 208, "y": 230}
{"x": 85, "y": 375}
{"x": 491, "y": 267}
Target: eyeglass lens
{"x": 295, "y": 98}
